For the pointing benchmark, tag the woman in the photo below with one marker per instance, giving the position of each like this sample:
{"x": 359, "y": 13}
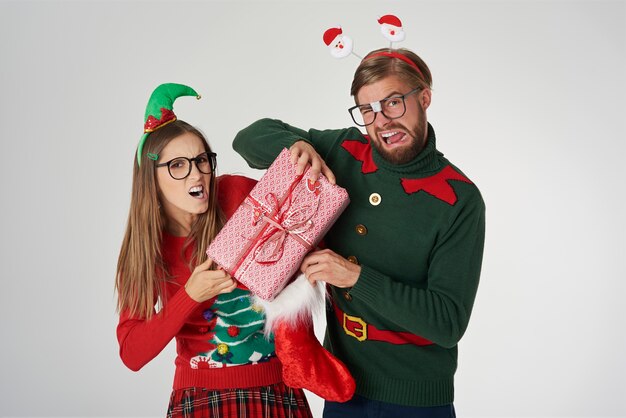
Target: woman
{"x": 224, "y": 365}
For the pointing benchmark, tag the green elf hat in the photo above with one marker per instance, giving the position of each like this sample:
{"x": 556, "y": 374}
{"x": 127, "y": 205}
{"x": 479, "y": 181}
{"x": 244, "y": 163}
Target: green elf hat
{"x": 159, "y": 111}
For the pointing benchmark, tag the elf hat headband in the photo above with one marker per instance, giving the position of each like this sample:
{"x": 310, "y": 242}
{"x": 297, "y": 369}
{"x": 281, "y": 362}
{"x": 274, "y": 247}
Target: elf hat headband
{"x": 159, "y": 111}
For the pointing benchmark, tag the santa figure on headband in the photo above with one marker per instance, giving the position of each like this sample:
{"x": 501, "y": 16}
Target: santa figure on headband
{"x": 391, "y": 28}
{"x": 339, "y": 44}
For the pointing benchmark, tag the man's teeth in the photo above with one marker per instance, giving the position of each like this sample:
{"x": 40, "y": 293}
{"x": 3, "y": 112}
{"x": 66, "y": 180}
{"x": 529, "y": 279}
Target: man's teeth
{"x": 388, "y": 135}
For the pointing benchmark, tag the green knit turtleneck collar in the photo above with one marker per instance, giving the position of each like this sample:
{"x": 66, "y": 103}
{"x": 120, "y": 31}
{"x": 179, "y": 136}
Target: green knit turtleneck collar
{"x": 426, "y": 161}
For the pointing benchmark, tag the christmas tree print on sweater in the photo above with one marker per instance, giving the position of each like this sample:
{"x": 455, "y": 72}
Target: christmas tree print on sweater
{"x": 237, "y": 335}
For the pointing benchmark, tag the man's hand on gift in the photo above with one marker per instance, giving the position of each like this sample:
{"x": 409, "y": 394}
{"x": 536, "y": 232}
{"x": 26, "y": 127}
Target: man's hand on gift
{"x": 303, "y": 153}
{"x": 330, "y": 267}
{"x": 204, "y": 283}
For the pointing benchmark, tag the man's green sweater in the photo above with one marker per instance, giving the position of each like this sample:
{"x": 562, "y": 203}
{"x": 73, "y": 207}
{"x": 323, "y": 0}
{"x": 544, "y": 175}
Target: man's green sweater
{"x": 417, "y": 231}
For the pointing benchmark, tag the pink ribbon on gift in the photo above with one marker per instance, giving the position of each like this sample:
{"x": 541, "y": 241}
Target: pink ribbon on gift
{"x": 280, "y": 223}
{"x": 294, "y": 223}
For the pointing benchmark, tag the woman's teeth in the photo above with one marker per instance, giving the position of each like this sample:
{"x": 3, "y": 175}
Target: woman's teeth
{"x": 196, "y": 191}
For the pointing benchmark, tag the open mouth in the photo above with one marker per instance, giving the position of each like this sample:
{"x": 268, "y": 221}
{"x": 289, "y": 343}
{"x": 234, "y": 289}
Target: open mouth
{"x": 197, "y": 192}
{"x": 394, "y": 137}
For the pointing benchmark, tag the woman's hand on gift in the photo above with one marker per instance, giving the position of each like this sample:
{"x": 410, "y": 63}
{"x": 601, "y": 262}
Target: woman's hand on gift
{"x": 204, "y": 283}
{"x": 303, "y": 153}
{"x": 330, "y": 267}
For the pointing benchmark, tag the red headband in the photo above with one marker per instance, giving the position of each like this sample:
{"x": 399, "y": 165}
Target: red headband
{"x": 399, "y": 56}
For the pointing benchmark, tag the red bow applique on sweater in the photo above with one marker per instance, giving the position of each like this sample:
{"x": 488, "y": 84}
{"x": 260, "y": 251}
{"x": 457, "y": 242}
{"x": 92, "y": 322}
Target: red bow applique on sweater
{"x": 361, "y": 152}
{"x": 436, "y": 185}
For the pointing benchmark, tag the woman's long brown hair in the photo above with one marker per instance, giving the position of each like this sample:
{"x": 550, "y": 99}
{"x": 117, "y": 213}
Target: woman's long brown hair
{"x": 141, "y": 271}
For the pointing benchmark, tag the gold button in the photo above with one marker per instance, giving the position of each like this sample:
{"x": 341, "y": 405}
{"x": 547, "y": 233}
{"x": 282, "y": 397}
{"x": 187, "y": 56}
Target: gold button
{"x": 375, "y": 199}
{"x": 347, "y": 296}
{"x": 361, "y": 229}
{"x": 353, "y": 259}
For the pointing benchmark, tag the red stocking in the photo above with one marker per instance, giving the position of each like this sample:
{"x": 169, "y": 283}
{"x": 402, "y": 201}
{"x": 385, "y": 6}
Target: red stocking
{"x": 308, "y": 365}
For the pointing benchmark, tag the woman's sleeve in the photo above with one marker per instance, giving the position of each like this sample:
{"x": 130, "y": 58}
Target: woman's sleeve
{"x": 141, "y": 340}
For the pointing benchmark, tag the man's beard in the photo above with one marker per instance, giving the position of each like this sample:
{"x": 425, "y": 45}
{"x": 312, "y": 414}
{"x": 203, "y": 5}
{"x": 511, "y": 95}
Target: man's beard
{"x": 405, "y": 154}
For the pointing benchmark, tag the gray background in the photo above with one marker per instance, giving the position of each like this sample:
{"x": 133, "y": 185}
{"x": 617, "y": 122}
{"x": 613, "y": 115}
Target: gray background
{"x": 529, "y": 100}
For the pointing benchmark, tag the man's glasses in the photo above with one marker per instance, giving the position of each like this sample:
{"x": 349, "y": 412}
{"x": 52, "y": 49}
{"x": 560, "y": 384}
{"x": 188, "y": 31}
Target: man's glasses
{"x": 392, "y": 107}
{"x": 180, "y": 167}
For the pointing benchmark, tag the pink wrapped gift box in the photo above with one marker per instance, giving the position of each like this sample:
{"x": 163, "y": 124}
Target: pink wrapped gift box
{"x": 283, "y": 218}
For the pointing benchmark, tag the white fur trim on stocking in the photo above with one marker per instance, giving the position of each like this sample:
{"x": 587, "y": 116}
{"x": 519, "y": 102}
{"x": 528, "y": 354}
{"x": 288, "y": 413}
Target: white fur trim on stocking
{"x": 296, "y": 303}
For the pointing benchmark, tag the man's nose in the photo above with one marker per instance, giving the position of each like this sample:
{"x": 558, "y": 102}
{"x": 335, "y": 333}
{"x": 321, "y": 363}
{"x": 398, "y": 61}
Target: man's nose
{"x": 381, "y": 119}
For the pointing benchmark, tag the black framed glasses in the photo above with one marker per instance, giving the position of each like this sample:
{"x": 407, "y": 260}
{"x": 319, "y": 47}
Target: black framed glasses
{"x": 180, "y": 167}
{"x": 392, "y": 107}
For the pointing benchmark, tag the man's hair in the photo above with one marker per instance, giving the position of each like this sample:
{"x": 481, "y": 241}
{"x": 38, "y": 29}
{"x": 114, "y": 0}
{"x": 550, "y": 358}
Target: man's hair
{"x": 373, "y": 69}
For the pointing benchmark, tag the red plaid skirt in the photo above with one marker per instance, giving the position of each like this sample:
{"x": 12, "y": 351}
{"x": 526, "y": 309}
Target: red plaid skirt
{"x": 275, "y": 401}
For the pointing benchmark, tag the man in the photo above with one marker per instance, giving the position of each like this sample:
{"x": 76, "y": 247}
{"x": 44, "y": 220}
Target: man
{"x": 403, "y": 261}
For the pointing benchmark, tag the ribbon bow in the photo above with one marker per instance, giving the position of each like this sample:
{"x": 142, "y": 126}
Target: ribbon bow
{"x": 282, "y": 221}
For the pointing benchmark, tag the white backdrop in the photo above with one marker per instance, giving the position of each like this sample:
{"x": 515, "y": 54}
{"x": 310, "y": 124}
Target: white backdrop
{"x": 529, "y": 100}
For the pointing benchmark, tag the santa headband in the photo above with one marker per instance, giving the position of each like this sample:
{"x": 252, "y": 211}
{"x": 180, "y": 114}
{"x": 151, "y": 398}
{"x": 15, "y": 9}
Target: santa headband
{"x": 340, "y": 45}
{"x": 394, "y": 54}
{"x": 160, "y": 112}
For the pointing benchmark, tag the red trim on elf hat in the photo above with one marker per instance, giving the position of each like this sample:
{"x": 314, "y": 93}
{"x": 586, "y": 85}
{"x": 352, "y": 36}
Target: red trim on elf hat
{"x": 152, "y": 123}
